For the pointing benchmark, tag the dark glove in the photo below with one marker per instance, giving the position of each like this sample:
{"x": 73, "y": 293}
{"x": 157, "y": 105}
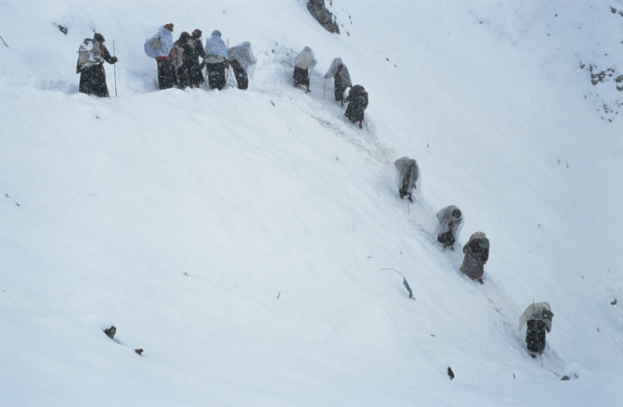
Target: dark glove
{"x": 113, "y": 60}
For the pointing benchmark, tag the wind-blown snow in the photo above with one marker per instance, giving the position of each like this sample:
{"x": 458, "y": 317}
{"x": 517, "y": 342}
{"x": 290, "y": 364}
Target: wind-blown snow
{"x": 249, "y": 241}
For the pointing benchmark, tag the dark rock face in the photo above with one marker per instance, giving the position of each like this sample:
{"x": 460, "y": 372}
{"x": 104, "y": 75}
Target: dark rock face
{"x": 323, "y": 16}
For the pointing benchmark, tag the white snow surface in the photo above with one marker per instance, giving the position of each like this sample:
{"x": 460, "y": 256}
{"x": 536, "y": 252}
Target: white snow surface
{"x": 248, "y": 241}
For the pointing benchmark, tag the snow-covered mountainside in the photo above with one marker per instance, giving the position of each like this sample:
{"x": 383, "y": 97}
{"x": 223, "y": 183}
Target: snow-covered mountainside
{"x": 253, "y": 244}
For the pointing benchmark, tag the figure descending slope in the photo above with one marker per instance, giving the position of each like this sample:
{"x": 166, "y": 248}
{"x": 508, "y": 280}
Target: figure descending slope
{"x": 407, "y": 177}
{"x": 92, "y": 54}
{"x": 476, "y": 255}
{"x": 303, "y": 62}
{"x": 183, "y": 60}
{"x": 196, "y": 66}
{"x": 160, "y": 47}
{"x": 358, "y": 103}
{"x": 341, "y": 79}
{"x": 242, "y": 60}
{"x": 450, "y": 225}
{"x": 216, "y": 61}
{"x": 539, "y": 319}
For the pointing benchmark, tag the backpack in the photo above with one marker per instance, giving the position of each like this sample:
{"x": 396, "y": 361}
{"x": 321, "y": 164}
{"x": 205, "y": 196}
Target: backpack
{"x": 177, "y": 59}
{"x": 155, "y": 43}
{"x": 89, "y": 54}
{"x": 359, "y": 95}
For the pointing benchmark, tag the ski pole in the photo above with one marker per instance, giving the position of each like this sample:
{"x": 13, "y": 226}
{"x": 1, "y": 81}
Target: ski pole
{"x": 324, "y": 90}
{"x": 114, "y": 67}
{"x": 7, "y": 45}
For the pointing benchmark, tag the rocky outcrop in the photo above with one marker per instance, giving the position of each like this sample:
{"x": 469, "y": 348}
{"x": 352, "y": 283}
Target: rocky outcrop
{"x": 323, "y": 16}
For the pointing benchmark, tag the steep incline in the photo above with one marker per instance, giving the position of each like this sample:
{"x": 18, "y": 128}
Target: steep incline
{"x": 244, "y": 240}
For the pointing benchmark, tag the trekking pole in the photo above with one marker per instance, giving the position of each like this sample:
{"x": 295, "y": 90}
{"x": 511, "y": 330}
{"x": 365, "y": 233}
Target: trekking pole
{"x": 114, "y": 67}
{"x": 227, "y": 60}
{"x": 207, "y": 77}
{"x": 233, "y": 81}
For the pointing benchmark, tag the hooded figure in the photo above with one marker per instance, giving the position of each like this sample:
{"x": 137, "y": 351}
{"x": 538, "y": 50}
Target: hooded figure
{"x": 243, "y": 61}
{"x": 450, "y": 225}
{"x": 358, "y": 102}
{"x": 539, "y": 318}
{"x": 304, "y": 60}
{"x": 341, "y": 78}
{"x": 408, "y": 176}
{"x": 160, "y": 46}
{"x": 197, "y": 51}
{"x": 90, "y": 66}
{"x": 216, "y": 61}
{"x": 476, "y": 255}
{"x": 182, "y": 60}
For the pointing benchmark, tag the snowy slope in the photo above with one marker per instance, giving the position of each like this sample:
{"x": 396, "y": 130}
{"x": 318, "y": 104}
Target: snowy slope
{"x": 245, "y": 240}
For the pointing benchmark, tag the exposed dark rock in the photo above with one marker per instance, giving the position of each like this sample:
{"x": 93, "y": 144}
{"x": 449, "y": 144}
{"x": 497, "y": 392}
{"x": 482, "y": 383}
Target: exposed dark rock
{"x": 139, "y": 351}
{"x": 323, "y": 16}
{"x": 450, "y": 373}
{"x": 110, "y": 332}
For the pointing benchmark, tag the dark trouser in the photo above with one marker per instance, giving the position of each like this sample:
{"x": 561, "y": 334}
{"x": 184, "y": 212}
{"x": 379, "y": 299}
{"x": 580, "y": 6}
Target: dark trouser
{"x": 196, "y": 74}
{"x": 535, "y": 336}
{"x": 183, "y": 74}
{"x": 339, "y": 94}
{"x": 301, "y": 77}
{"x": 404, "y": 190}
{"x": 93, "y": 81}
{"x": 338, "y": 89}
{"x": 354, "y": 112}
{"x": 166, "y": 74}
{"x": 216, "y": 75}
{"x": 447, "y": 239}
{"x": 241, "y": 77}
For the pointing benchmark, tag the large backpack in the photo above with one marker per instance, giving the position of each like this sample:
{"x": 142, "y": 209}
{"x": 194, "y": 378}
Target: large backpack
{"x": 89, "y": 54}
{"x": 157, "y": 47}
{"x": 359, "y": 96}
{"x": 178, "y": 56}
{"x": 155, "y": 43}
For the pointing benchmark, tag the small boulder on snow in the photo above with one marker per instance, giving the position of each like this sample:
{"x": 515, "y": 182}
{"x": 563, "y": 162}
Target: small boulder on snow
{"x": 110, "y": 332}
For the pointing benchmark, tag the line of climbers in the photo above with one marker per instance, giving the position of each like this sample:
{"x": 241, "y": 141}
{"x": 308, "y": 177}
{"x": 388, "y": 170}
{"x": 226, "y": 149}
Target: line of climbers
{"x": 180, "y": 64}
{"x": 357, "y": 96}
{"x": 538, "y": 317}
